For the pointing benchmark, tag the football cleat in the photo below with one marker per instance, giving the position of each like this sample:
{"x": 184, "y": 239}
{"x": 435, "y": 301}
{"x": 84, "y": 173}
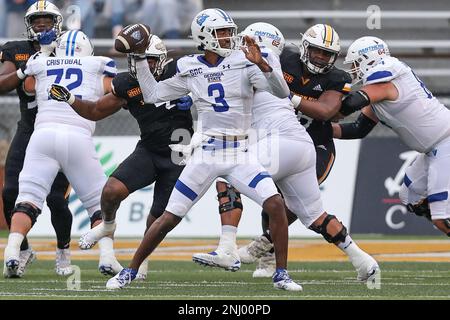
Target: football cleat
{"x": 63, "y": 265}
{"x": 366, "y": 266}
{"x": 255, "y": 249}
{"x": 109, "y": 266}
{"x": 11, "y": 268}
{"x": 90, "y": 239}
{"x": 26, "y": 257}
{"x": 122, "y": 279}
{"x": 266, "y": 266}
{"x": 282, "y": 281}
{"x": 226, "y": 260}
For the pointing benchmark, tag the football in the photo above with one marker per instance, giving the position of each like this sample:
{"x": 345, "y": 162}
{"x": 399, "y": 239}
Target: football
{"x": 133, "y": 38}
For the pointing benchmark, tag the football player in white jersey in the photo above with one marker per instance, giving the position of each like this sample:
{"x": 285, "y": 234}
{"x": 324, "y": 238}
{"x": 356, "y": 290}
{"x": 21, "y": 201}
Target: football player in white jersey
{"x": 393, "y": 95}
{"x": 222, "y": 83}
{"x": 62, "y": 141}
{"x": 287, "y": 151}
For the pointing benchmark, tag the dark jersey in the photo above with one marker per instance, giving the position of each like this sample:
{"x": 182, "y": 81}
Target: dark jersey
{"x": 155, "y": 123}
{"x": 311, "y": 86}
{"x": 18, "y": 52}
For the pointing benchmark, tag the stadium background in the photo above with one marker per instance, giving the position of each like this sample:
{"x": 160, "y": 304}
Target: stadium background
{"x": 363, "y": 187}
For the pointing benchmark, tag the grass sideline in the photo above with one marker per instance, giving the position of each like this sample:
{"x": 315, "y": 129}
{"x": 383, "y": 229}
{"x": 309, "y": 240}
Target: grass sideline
{"x": 184, "y": 280}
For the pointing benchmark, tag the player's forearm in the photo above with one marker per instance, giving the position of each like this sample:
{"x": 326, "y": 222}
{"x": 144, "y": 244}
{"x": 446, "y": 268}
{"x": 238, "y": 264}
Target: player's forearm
{"x": 317, "y": 109}
{"x": 277, "y": 85}
{"x": 147, "y": 82}
{"x": 88, "y": 110}
{"x": 355, "y": 130}
{"x": 9, "y": 82}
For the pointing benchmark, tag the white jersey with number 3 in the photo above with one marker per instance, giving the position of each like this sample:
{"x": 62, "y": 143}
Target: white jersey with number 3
{"x": 419, "y": 119}
{"x": 222, "y": 93}
{"x": 83, "y": 76}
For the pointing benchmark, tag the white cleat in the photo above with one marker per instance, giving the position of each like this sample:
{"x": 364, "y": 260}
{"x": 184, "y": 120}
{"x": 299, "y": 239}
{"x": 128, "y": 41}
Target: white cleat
{"x": 26, "y": 257}
{"x": 282, "y": 281}
{"x": 90, "y": 239}
{"x": 219, "y": 259}
{"x": 121, "y": 279}
{"x": 109, "y": 266}
{"x": 266, "y": 266}
{"x": 255, "y": 249}
{"x": 11, "y": 268}
{"x": 63, "y": 265}
{"x": 143, "y": 270}
{"x": 367, "y": 267}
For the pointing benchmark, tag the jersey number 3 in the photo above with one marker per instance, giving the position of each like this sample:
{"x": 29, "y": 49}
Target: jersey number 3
{"x": 59, "y": 73}
{"x": 213, "y": 89}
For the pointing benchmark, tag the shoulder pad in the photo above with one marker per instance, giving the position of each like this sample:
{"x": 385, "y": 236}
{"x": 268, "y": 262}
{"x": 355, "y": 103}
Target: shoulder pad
{"x": 188, "y": 64}
{"x": 386, "y": 70}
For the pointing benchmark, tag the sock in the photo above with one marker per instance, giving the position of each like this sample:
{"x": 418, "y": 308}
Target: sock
{"x": 12, "y": 250}
{"x": 350, "y": 248}
{"x": 143, "y": 268}
{"x": 106, "y": 246}
{"x": 109, "y": 226}
{"x": 228, "y": 238}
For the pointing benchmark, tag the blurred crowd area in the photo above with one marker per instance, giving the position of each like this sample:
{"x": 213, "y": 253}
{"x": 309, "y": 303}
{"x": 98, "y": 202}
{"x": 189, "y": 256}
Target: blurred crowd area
{"x": 171, "y": 19}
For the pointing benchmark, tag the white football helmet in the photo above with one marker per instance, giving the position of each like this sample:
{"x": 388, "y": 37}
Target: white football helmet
{"x": 43, "y": 8}
{"x": 324, "y": 37}
{"x": 204, "y": 31}
{"x": 266, "y": 35}
{"x": 156, "y": 49}
{"x": 74, "y": 43}
{"x": 363, "y": 54}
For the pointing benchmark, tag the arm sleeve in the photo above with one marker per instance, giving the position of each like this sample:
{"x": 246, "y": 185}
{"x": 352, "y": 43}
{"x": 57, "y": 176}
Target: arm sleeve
{"x": 155, "y": 92}
{"x": 7, "y": 53}
{"x": 358, "y": 129}
{"x": 272, "y": 82}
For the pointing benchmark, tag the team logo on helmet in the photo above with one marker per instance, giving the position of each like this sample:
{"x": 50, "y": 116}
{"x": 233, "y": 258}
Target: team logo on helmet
{"x": 201, "y": 19}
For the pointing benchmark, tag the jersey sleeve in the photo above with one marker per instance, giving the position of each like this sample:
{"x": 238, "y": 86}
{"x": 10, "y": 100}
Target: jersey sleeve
{"x": 167, "y": 90}
{"x": 272, "y": 82}
{"x": 120, "y": 86}
{"x": 386, "y": 70}
{"x": 340, "y": 81}
{"x": 8, "y": 52}
{"x": 108, "y": 67}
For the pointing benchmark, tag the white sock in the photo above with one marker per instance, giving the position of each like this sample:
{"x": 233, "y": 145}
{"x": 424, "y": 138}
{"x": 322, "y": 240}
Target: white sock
{"x": 228, "y": 238}
{"x": 106, "y": 246}
{"x": 350, "y": 248}
{"x": 12, "y": 249}
{"x": 109, "y": 226}
{"x": 143, "y": 268}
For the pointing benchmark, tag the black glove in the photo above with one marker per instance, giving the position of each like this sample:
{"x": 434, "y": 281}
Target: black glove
{"x": 61, "y": 93}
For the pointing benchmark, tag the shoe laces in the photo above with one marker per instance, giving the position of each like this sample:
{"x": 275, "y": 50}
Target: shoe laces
{"x": 281, "y": 275}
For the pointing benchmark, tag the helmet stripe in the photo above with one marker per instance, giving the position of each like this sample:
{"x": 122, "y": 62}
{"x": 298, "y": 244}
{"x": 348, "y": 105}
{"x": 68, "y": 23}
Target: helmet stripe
{"x": 225, "y": 15}
{"x": 73, "y": 43}
{"x": 68, "y": 42}
{"x": 328, "y": 35}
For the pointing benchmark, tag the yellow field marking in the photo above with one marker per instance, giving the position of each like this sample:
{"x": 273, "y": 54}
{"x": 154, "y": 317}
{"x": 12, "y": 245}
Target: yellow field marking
{"x": 299, "y": 250}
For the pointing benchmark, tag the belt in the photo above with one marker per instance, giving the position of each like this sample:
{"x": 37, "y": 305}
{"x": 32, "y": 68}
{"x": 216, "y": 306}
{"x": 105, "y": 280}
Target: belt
{"x": 214, "y": 143}
{"x": 230, "y": 138}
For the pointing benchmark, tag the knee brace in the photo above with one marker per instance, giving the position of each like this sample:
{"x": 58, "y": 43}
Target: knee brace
{"x": 232, "y": 194}
{"x": 421, "y": 209}
{"x": 29, "y": 210}
{"x": 322, "y": 229}
{"x": 96, "y": 217}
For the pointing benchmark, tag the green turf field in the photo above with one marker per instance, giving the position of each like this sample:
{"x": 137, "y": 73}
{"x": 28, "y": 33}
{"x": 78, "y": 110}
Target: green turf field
{"x": 182, "y": 280}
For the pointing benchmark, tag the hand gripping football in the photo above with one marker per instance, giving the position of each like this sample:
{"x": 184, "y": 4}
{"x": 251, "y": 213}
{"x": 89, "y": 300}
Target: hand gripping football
{"x": 133, "y": 38}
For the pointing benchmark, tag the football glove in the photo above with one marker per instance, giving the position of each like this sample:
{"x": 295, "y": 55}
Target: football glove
{"x": 61, "y": 93}
{"x": 184, "y": 103}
